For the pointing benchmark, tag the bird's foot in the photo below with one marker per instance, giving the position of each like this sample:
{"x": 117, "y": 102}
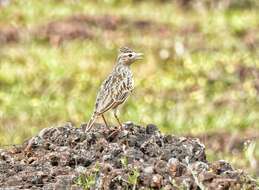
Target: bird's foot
{"x": 119, "y": 128}
{"x": 113, "y": 132}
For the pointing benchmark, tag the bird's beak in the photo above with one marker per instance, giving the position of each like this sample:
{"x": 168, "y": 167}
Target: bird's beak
{"x": 139, "y": 56}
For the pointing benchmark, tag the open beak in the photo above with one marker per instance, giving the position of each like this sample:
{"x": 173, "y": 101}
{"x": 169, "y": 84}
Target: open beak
{"x": 139, "y": 56}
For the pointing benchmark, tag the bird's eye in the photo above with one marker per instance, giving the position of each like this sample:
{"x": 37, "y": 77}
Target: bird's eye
{"x": 130, "y": 55}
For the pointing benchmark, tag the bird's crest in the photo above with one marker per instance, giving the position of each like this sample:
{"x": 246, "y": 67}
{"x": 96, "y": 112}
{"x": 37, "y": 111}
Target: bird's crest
{"x": 125, "y": 50}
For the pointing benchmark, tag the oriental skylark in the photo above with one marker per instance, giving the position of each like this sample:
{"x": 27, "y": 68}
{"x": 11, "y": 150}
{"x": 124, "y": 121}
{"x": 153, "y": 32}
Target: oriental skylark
{"x": 116, "y": 87}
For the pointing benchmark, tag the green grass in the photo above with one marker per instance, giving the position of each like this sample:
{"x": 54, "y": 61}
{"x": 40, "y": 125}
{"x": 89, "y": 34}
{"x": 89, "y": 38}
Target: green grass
{"x": 196, "y": 92}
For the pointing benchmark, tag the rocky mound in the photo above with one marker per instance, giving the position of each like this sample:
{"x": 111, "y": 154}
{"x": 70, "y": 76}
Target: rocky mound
{"x": 134, "y": 158}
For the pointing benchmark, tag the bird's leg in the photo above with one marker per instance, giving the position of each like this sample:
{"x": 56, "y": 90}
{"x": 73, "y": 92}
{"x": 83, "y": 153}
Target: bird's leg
{"x": 105, "y": 121}
{"x": 117, "y": 118}
{"x": 116, "y": 131}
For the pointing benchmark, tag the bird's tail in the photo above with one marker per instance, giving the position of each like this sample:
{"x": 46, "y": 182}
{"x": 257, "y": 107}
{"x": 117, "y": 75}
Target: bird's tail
{"x": 90, "y": 123}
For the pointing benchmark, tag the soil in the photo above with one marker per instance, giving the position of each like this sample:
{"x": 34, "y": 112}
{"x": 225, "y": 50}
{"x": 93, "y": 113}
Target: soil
{"x": 136, "y": 157}
{"x": 9, "y": 35}
{"x": 89, "y": 27}
{"x": 228, "y": 142}
{"x": 83, "y": 27}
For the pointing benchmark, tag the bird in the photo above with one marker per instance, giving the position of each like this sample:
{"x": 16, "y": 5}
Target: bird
{"x": 116, "y": 88}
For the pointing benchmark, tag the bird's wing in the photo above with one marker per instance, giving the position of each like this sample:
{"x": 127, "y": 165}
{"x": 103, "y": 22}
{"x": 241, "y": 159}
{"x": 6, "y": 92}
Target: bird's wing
{"x": 104, "y": 100}
{"x": 115, "y": 89}
{"x": 122, "y": 90}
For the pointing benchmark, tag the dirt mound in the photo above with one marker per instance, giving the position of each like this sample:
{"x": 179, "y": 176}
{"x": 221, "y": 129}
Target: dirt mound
{"x": 9, "y": 35}
{"x": 83, "y": 27}
{"x": 89, "y": 27}
{"x": 134, "y": 158}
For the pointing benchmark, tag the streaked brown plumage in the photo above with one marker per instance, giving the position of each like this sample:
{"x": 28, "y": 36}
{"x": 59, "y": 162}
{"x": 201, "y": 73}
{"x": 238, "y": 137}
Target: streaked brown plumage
{"x": 116, "y": 87}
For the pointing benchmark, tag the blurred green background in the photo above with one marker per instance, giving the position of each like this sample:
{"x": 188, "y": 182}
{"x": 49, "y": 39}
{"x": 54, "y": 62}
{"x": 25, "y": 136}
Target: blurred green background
{"x": 200, "y": 75}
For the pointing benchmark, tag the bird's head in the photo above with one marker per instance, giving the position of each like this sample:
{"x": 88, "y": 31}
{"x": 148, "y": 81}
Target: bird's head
{"x": 127, "y": 56}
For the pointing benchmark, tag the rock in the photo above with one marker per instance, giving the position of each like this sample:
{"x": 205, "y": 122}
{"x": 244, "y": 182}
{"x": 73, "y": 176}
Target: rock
{"x": 143, "y": 158}
{"x": 54, "y": 160}
{"x": 148, "y": 170}
{"x": 221, "y": 166}
{"x": 151, "y": 129}
{"x": 161, "y": 167}
{"x": 176, "y": 168}
{"x": 199, "y": 167}
{"x": 207, "y": 176}
{"x": 37, "y": 180}
{"x": 156, "y": 181}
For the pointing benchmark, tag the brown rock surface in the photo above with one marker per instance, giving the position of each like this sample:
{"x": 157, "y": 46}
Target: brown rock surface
{"x": 134, "y": 158}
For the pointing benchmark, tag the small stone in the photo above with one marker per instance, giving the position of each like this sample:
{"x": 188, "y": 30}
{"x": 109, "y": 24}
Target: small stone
{"x": 148, "y": 170}
{"x": 107, "y": 157}
{"x": 206, "y": 176}
{"x": 31, "y": 160}
{"x": 37, "y": 180}
{"x": 221, "y": 166}
{"x": 64, "y": 148}
{"x": 128, "y": 123}
{"x": 156, "y": 181}
{"x": 80, "y": 169}
{"x": 161, "y": 167}
{"x": 175, "y": 167}
{"x": 199, "y": 166}
{"x": 132, "y": 140}
{"x": 151, "y": 129}
{"x": 86, "y": 162}
{"x": 18, "y": 168}
{"x": 54, "y": 160}
{"x": 145, "y": 179}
